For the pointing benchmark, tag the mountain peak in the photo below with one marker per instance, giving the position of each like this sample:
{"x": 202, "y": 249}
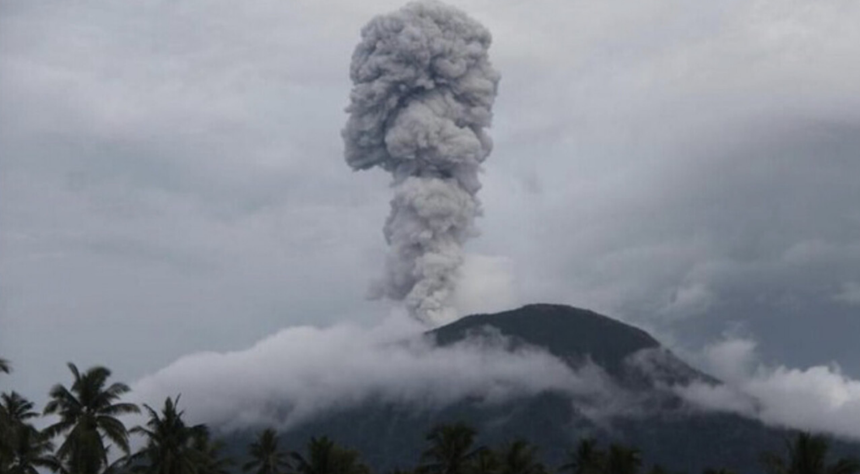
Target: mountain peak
{"x": 571, "y": 334}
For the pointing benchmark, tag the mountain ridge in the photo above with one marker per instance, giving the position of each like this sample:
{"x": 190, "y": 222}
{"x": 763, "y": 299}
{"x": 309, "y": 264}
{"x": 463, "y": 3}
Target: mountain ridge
{"x": 662, "y": 425}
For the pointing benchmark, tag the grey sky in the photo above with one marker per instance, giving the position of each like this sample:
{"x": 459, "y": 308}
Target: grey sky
{"x": 172, "y": 176}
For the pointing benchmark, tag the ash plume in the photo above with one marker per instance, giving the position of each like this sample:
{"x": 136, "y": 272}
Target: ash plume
{"x": 423, "y": 89}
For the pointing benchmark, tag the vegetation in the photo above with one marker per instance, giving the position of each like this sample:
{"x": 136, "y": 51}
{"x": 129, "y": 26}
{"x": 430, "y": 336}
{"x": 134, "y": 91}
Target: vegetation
{"x": 266, "y": 456}
{"x": 88, "y": 416}
{"x": 170, "y": 444}
{"x": 90, "y": 424}
{"x": 451, "y": 450}
{"x": 586, "y": 459}
{"x": 807, "y": 454}
{"x": 323, "y": 456}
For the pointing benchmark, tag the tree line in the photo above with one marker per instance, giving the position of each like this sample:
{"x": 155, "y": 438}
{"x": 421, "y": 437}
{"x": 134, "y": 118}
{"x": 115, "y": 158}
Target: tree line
{"x": 90, "y": 438}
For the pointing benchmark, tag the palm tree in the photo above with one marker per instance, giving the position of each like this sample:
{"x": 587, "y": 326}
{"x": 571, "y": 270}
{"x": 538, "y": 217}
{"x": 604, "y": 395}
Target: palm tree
{"x": 88, "y": 414}
{"x": 16, "y": 409}
{"x": 586, "y": 459}
{"x": 325, "y": 457}
{"x": 622, "y": 460}
{"x": 520, "y": 457}
{"x": 808, "y": 455}
{"x": 209, "y": 451}
{"x": 24, "y": 449}
{"x": 266, "y": 458}
{"x": 31, "y": 450}
{"x": 5, "y": 423}
{"x": 170, "y": 442}
{"x": 451, "y": 449}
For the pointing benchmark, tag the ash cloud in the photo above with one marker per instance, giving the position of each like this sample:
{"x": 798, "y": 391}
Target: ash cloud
{"x": 423, "y": 89}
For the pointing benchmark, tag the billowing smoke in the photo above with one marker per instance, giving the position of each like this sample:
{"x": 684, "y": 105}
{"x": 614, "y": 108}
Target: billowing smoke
{"x": 422, "y": 96}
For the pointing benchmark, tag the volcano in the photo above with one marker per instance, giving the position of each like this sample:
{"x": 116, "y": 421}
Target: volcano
{"x": 647, "y": 413}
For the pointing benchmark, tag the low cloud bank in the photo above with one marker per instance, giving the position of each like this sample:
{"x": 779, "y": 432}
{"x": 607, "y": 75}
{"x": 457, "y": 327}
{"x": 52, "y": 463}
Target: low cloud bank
{"x": 301, "y": 372}
{"x": 819, "y": 398}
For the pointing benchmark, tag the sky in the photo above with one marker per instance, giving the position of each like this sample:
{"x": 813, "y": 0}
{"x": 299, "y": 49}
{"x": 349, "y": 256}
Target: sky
{"x": 172, "y": 178}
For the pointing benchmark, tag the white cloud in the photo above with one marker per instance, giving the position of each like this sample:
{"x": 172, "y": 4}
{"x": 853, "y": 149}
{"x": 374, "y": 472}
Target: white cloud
{"x": 818, "y": 398}
{"x": 303, "y": 371}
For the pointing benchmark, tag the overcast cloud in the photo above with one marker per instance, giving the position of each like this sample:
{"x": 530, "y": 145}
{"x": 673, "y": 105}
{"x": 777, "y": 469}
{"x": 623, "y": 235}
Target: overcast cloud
{"x": 172, "y": 175}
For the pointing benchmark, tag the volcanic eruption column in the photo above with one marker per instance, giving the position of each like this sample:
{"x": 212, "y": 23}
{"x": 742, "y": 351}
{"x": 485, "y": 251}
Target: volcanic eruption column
{"x": 423, "y": 89}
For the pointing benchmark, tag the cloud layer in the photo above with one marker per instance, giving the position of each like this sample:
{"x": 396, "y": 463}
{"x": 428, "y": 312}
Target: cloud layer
{"x": 818, "y": 398}
{"x": 300, "y": 372}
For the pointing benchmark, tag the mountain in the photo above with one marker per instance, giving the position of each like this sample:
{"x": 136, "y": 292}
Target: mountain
{"x": 668, "y": 432}
{"x": 577, "y": 336}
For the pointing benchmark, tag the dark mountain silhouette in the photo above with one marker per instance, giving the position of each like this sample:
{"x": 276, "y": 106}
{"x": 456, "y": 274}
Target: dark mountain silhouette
{"x": 666, "y": 430}
{"x": 577, "y": 336}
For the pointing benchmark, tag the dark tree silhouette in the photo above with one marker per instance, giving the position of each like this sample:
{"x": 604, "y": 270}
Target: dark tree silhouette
{"x": 211, "y": 460}
{"x": 486, "y": 461}
{"x": 807, "y": 454}
{"x": 323, "y": 456}
{"x": 520, "y": 457}
{"x": 622, "y": 460}
{"x": 88, "y": 415}
{"x": 658, "y": 469}
{"x": 451, "y": 449}
{"x": 16, "y": 409}
{"x": 24, "y": 449}
{"x": 170, "y": 443}
{"x": 32, "y": 451}
{"x": 266, "y": 457}
{"x": 587, "y": 458}
{"x": 718, "y": 471}
{"x": 4, "y": 366}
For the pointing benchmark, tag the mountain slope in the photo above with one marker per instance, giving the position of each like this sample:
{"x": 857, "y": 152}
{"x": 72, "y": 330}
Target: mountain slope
{"x": 565, "y": 332}
{"x": 666, "y": 430}
{"x": 575, "y": 336}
